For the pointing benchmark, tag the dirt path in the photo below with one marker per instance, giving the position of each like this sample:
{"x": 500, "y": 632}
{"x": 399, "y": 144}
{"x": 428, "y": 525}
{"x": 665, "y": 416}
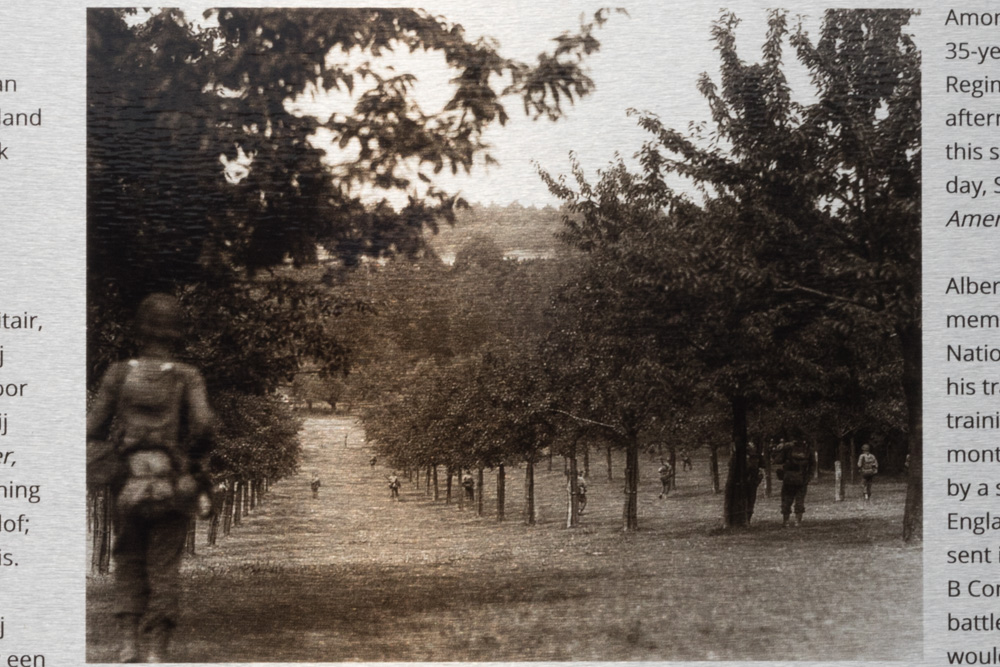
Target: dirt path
{"x": 352, "y": 575}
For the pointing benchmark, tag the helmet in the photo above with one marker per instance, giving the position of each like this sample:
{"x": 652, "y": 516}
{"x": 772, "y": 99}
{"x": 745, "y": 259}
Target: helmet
{"x": 160, "y": 317}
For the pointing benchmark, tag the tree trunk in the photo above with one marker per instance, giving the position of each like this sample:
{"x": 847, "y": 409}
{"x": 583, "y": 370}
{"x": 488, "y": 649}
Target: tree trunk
{"x": 427, "y": 482}
{"x": 102, "y": 530}
{"x": 227, "y": 508}
{"x": 213, "y": 528}
{"x": 673, "y": 466}
{"x": 501, "y": 491}
{"x": 630, "y": 514}
{"x": 447, "y": 487}
{"x": 854, "y": 457}
{"x": 767, "y": 469}
{"x": 735, "y": 504}
{"x": 238, "y": 504}
{"x": 529, "y": 493}
{"x": 479, "y": 492}
{"x": 573, "y": 516}
{"x": 586, "y": 461}
{"x": 910, "y": 341}
{"x": 713, "y": 466}
{"x": 434, "y": 474}
{"x": 189, "y": 540}
{"x": 609, "y": 464}
{"x": 844, "y": 464}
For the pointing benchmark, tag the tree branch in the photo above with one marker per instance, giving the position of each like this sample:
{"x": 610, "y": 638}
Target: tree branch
{"x": 795, "y": 287}
{"x": 584, "y": 420}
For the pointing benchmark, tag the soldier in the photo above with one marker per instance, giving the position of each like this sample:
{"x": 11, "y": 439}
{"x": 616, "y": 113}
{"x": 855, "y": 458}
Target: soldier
{"x": 685, "y": 459}
{"x": 393, "y": 486}
{"x": 796, "y": 461}
{"x": 469, "y": 485}
{"x": 314, "y": 485}
{"x": 868, "y": 466}
{"x": 154, "y": 412}
{"x": 666, "y": 472}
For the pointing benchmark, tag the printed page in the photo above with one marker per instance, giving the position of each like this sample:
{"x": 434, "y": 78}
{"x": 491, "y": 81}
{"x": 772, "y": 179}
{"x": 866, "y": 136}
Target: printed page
{"x": 660, "y": 332}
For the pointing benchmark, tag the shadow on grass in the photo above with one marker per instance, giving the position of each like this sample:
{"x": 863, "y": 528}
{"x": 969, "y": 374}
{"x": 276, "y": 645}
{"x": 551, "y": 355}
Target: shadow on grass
{"x": 230, "y": 611}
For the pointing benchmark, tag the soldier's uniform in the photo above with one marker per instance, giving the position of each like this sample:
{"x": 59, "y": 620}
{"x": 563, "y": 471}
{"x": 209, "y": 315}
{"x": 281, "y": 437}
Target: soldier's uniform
{"x": 156, "y": 412}
{"x": 796, "y": 461}
{"x": 868, "y": 465}
{"x": 666, "y": 473}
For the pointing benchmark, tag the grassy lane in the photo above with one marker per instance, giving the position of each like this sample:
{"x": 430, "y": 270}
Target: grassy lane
{"x": 354, "y": 576}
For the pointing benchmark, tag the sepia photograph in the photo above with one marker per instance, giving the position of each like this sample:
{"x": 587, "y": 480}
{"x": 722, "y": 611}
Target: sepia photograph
{"x": 509, "y": 333}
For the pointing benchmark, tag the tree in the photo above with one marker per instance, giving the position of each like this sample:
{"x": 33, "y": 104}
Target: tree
{"x": 671, "y": 286}
{"x": 839, "y": 177}
{"x": 604, "y": 367}
{"x": 204, "y": 180}
{"x": 200, "y": 167}
{"x": 797, "y": 225}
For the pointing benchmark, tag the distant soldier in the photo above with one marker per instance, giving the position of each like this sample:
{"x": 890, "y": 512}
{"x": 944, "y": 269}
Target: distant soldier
{"x": 314, "y": 485}
{"x": 796, "y": 461}
{"x": 868, "y": 467}
{"x": 153, "y": 412}
{"x": 685, "y": 459}
{"x": 373, "y": 461}
{"x": 666, "y": 472}
{"x": 469, "y": 485}
{"x": 393, "y": 487}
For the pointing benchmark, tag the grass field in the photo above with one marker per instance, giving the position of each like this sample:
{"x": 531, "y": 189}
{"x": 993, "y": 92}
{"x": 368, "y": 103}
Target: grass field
{"x": 354, "y": 576}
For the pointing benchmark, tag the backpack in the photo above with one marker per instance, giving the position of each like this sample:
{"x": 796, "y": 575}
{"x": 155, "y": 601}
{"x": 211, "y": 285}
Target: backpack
{"x": 795, "y": 467}
{"x": 156, "y": 478}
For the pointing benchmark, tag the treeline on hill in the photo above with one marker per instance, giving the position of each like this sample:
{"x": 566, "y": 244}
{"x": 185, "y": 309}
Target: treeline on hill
{"x": 784, "y": 302}
{"x": 520, "y": 231}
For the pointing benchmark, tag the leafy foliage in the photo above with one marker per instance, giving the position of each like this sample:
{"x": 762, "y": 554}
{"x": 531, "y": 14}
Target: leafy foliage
{"x": 807, "y": 234}
{"x": 259, "y": 438}
{"x": 200, "y": 165}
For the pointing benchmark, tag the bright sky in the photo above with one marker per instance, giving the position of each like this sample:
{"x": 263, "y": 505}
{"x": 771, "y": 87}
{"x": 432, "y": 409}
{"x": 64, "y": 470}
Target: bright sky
{"x": 649, "y": 60}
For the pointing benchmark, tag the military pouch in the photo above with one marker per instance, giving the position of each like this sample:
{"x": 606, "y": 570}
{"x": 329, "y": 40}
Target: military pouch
{"x": 154, "y": 487}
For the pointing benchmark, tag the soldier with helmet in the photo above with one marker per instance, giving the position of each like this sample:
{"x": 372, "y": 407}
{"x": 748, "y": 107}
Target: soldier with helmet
{"x": 153, "y": 412}
{"x": 868, "y": 466}
{"x": 796, "y": 463}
